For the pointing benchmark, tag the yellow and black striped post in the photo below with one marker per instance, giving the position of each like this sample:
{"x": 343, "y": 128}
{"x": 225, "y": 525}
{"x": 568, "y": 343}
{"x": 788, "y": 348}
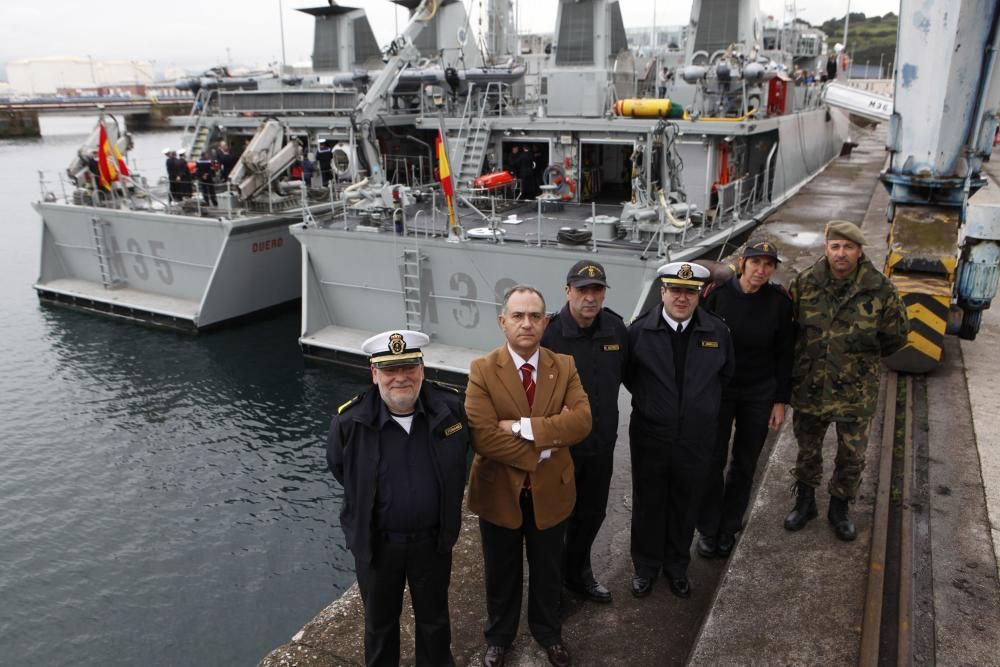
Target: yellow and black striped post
{"x": 922, "y": 261}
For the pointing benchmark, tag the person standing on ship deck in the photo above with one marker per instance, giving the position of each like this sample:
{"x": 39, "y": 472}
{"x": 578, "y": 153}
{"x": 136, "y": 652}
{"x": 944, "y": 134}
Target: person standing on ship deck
{"x": 597, "y": 340}
{"x": 526, "y": 407}
{"x": 759, "y": 316}
{"x": 680, "y": 358}
{"x": 849, "y": 316}
{"x": 399, "y": 450}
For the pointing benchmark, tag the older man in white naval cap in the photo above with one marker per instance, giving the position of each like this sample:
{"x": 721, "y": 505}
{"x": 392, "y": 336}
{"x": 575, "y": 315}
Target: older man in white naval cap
{"x": 680, "y": 358}
{"x": 399, "y": 450}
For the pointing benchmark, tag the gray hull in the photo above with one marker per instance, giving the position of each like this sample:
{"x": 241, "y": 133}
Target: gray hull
{"x": 358, "y": 282}
{"x": 178, "y": 271}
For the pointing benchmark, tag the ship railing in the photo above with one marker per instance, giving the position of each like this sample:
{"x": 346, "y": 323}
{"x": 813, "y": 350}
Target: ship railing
{"x": 494, "y": 100}
{"x": 741, "y": 197}
{"x": 409, "y": 170}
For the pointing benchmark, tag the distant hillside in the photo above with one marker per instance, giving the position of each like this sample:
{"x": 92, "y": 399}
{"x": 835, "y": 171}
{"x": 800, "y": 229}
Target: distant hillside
{"x": 868, "y": 38}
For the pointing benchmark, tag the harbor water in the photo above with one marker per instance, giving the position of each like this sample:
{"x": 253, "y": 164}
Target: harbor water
{"x": 164, "y": 498}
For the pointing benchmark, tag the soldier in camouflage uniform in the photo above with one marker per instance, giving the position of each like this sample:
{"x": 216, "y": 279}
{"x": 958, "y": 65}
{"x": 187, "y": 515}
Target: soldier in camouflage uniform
{"x": 849, "y": 316}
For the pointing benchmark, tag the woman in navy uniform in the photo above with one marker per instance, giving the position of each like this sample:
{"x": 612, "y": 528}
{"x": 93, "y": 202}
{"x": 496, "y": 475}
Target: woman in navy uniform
{"x": 759, "y": 316}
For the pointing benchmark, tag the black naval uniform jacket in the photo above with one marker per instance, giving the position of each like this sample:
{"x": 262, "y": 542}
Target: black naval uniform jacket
{"x": 687, "y": 426}
{"x": 600, "y": 361}
{"x": 352, "y": 452}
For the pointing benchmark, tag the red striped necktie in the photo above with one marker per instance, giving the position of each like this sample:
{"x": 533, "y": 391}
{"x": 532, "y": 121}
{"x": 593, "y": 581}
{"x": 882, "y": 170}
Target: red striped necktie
{"x": 529, "y": 383}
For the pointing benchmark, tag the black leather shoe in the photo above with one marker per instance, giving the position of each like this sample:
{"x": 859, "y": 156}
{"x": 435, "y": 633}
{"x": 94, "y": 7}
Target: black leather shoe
{"x": 558, "y": 655}
{"x": 805, "y": 507}
{"x": 724, "y": 546}
{"x": 494, "y": 656}
{"x": 642, "y": 586}
{"x": 593, "y": 591}
{"x": 681, "y": 587}
{"x": 842, "y": 524}
{"x": 707, "y": 546}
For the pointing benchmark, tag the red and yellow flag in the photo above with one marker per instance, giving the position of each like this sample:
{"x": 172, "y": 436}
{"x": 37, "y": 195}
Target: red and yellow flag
{"x": 107, "y": 174}
{"x": 110, "y": 162}
{"x": 444, "y": 171}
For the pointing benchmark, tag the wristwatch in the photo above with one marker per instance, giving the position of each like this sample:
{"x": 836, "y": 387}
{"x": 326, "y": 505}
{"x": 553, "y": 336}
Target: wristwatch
{"x": 515, "y": 428}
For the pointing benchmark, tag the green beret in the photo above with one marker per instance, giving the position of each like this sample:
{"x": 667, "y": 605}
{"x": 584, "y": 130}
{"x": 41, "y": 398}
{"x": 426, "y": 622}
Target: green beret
{"x": 844, "y": 230}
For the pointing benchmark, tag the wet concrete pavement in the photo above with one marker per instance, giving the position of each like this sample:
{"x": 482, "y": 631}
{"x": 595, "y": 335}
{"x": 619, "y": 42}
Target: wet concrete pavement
{"x": 797, "y": 598}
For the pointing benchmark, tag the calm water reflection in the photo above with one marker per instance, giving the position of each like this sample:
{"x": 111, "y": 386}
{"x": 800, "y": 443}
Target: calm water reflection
{"x": 164, "y": 498}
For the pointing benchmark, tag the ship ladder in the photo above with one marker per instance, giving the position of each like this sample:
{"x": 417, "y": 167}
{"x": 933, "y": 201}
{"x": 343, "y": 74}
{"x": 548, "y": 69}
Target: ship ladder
{"x": 473, "y": 153}
{"x": 477, "y": 136}
{"x": 411, "y": 288}
{"x": 199, "y": 142}
{"x": 99, "y": 228}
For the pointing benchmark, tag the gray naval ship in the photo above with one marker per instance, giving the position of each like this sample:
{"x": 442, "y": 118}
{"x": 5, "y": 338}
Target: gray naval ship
{"x": 631, "y": 181}
{"x": 135, "y": 250}
{"x": 582, "y": 156}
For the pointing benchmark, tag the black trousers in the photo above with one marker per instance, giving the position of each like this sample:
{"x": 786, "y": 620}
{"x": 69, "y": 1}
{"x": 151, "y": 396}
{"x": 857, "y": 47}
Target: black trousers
{"x": 427, "y": 573}
{"x": 503, "y": 557}
{"x": 726, "y": 498}
{"x": 208, "y": 192}
{"x": 667, "y": 486}
{"x": 593, "y": 483}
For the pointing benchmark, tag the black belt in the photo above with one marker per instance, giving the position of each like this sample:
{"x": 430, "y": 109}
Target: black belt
{"x": 393, "y": 537}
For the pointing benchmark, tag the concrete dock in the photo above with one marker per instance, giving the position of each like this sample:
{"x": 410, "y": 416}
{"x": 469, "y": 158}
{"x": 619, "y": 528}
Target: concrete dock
{"x": 781, "y": 598}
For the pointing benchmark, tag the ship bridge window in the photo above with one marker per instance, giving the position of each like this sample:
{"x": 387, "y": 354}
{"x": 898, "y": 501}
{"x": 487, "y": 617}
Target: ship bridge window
{"x": 576, "y": 34}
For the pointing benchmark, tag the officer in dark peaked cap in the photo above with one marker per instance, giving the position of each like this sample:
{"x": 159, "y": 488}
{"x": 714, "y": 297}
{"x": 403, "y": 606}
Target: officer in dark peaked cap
{"x": 597, "y": 340}
{"x": 680, "y": 357}
{"x": 399, "y": 450}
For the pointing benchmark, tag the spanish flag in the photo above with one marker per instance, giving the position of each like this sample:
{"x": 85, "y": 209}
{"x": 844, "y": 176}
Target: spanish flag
{"x": 444, "y": 174}
{"x": 105, "y": 167}
{"x": 444, "y": 171}
{"x": 110, "y": 162}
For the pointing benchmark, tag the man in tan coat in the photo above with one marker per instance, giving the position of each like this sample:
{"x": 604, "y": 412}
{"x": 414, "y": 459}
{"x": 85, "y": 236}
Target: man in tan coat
{"x": 526, "y": 406}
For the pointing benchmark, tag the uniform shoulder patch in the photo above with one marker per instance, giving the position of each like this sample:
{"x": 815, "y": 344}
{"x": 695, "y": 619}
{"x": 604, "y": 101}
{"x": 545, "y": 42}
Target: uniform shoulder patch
{"x": 608, "y": 310}
{"x": 451, "y": 389}
{"x": 641, "y": 316}
{"x": 348, "y": 405}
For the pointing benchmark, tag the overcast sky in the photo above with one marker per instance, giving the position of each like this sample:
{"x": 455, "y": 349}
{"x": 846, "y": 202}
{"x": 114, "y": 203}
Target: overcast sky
{"x": 198, "y": 33}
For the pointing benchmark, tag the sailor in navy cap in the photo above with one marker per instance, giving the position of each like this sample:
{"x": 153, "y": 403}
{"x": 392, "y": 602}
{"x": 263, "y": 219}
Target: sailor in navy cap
{"x": 399, "y": 450}
{"x": 596, "y": 338}
{"x": 680, "y": 357}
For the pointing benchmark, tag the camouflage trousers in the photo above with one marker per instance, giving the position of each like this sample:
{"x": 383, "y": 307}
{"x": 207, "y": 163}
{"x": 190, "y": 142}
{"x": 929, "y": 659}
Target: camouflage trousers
{"x": 852, "y": 442}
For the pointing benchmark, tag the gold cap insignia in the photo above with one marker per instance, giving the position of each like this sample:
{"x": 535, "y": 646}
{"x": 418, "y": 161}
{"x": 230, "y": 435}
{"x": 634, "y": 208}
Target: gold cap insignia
{"x": 685, "y": 272}
{"x": 396, "y": 343}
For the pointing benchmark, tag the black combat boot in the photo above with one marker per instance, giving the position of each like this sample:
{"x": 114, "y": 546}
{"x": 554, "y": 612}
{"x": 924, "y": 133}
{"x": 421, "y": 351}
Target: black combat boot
{"x": 805, "y": 507}
{"x": 842, "y": 524}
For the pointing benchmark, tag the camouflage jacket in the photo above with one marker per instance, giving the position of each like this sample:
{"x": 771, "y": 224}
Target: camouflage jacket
{"x": 841, "y": 338}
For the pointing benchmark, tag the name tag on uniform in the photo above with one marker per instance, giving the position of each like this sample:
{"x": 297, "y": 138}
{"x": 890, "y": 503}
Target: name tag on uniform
{"x": 455, "y": 428}
{"x": 612, "y": 348}
{"x": 710, "y": 343}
